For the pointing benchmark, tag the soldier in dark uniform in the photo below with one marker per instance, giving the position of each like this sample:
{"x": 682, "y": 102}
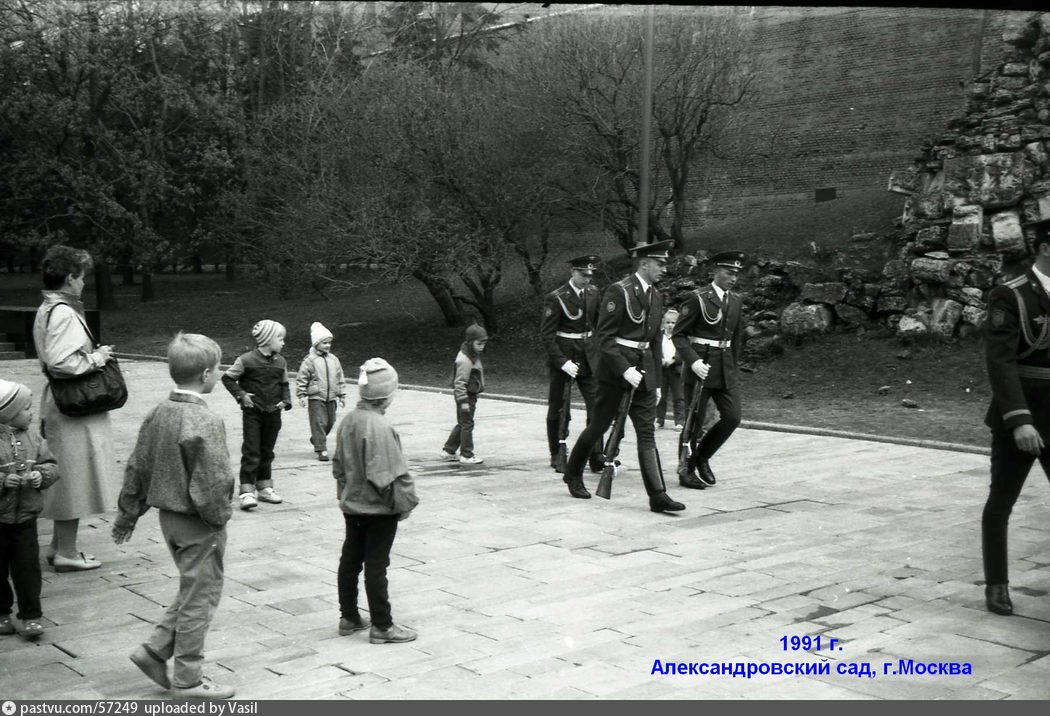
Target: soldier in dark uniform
{"x": 567, "y": 327}
{"x": 629, "y": 340}
{"x": 708, "y": 336}
{"x": 1017, "y": 346}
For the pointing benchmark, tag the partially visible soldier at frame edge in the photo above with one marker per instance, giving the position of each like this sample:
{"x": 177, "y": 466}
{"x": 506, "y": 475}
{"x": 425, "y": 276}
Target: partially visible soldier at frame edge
{"x": 1017, "y": 346}
{"x": 567, "y": 330}
{"x": 629, "y": 339}
{"x": 708, "y": 337}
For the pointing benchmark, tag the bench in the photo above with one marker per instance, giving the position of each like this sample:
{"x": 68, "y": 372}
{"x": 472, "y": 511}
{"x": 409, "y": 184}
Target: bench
{"x": 17, "y": 323}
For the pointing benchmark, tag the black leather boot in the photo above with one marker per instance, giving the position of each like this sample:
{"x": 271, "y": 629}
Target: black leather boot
{"x": 703, "y": 467}
{"x": 653, "y": 479}
{"x": 576, "y": 487}
{"x": 997, "y": 597}
{"x": 691, "y": 481}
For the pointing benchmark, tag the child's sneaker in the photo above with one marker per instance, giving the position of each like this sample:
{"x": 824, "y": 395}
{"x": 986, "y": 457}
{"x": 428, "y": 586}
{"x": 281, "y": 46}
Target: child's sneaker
{"x": 268, "y": 495}
{"x": 323, "y": 456}
{"x": 349, "y": 626}
{"x": 472, "y": 460}
{"x": 152, "y": 667}
{"x": 206, "y": 689}
{"x": 394, "y": 635}
{"x": 448, "y": 456}
{"x": 32, "y": 629}
{"x": 6, "y": 627}
{"x": 248, "y": 501}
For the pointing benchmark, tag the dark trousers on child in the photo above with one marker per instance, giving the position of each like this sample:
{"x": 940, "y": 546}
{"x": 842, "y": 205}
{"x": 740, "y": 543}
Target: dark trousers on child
{"x": 260, "y": 435}
{"x": 322, "y": 420}
{"x": 20, "y": 558}
{"x": 198, "y": 550}
{"x": 367, "y": 544}
{"x": 671, "y": 391}
{"x": 462, "y": 436}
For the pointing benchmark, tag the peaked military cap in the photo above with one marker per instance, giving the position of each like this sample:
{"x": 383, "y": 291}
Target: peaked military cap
{"x": 655, "y": 250}
{"x": 588, "y": 262}
{"x": 1042, "y": 231}
{"x": 730, "y": 259}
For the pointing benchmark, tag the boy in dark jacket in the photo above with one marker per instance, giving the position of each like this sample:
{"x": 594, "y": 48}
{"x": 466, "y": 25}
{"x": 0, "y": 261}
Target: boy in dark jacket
{"x": 258, "y": 380}
{"x": 26, "y": 468}
{"x": 180, "y": 465}
{"x": 375, "y": 492}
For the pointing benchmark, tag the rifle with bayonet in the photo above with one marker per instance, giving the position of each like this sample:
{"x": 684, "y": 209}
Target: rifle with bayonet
{"x": 692, "y": 417}
{"x": 561, "y": 459}
{"x": 612, "y": 446}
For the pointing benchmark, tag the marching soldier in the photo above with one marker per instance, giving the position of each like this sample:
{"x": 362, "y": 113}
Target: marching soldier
{"x": 708, "y": 337}
{"x": 1017, "y": 347}
{"x": 567, "y": 327}
{"x": 629, "y": 341}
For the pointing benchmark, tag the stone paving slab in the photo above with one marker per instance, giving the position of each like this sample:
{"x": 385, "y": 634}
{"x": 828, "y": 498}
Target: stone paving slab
{"x": 520, "y": 592}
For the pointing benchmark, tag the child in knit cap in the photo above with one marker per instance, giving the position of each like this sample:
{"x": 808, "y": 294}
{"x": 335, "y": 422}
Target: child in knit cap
{"x": 375, "y": 492}
{"x": 320, "y": 382}
{"x": 468, "y": 379}
{"x": 26, "y": 468}
{"x": 258, "y": 380}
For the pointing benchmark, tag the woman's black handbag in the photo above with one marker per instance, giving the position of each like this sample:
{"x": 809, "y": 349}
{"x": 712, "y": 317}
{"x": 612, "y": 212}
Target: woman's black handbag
{"x": 97, "y": 392}
{"x": 89, "y": 393}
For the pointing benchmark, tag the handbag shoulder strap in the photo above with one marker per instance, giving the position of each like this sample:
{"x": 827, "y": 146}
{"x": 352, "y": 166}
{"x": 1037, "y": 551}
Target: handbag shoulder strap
{"x": 47, "y": 318}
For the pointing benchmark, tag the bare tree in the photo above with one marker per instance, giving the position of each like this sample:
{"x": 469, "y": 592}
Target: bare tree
{"x": 586, "y": 75}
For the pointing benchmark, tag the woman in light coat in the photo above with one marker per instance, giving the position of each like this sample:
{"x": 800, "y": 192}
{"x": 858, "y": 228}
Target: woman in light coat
{"x": 82, "y": 446}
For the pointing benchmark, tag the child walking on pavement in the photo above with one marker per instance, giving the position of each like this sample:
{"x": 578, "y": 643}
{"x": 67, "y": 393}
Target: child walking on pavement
{"x": 375, "y": 492}
{"x": 26, "y": 468}
{"x": 320, "y": 383}
{"x": 258, "y": 380}
{"x": 672, "y": 375}
{"x": 181, "y": 466}
{"x": 468, "y": 379}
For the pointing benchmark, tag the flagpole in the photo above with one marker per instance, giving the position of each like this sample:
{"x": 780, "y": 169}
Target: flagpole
{"x": 647, "y": 103}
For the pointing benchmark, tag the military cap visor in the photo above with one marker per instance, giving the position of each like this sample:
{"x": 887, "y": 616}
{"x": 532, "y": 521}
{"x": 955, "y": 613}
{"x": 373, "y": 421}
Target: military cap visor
{"x": 586, "y": 263}
{"x": 1042, "y": 230}
{"x": 730, "y": 259}
{"x": 655, "y": 250}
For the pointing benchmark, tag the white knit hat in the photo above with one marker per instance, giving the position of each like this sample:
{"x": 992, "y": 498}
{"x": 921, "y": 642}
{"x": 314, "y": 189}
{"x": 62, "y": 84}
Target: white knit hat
{"x": 14, "y": 397}
{"x": 318, "y": 333}
{"x": 264, "y": 331}
{"x": 377, "y": 379}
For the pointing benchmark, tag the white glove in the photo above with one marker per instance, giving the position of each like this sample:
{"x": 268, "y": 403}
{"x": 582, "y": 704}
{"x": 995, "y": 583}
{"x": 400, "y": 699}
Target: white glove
{"x": 571, "y": 368}
{"x": 700, "y": 368}
{"x": 633, "y": 376}
{"x": 659, "y": 393}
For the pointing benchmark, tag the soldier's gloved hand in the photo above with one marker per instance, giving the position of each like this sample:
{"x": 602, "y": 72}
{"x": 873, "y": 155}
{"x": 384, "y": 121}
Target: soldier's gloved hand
{"x": 633, "y": 376}
{"x": 12, "y": 479}
{"x": 1027, "y": 439}
{"x": 700, "y": 368}
{"x": 465, "y": 407}
{"x": 571, "y": 368}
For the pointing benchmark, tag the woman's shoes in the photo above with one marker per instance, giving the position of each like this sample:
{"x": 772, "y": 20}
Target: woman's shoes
{"x": 50, "y": 556}
{"x": 82, "y": 563}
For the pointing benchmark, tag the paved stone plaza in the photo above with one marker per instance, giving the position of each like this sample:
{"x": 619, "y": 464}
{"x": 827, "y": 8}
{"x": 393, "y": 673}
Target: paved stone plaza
{"x": 519, "y": 591}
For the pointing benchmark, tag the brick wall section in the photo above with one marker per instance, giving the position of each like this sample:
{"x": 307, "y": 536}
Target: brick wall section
{"x": 855, "y": 92}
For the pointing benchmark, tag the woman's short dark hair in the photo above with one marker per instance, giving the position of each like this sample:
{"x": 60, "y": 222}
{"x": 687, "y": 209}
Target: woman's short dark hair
{"x": 61, "y": 261}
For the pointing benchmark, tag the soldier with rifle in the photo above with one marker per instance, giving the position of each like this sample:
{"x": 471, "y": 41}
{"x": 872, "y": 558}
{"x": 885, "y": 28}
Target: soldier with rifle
{"x": 567, "y": 328}
{"x": 708, "y": 336}
{"x": 629, "y": 340}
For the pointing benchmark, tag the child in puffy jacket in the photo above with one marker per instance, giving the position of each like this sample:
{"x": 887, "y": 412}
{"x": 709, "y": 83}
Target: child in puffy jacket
{"x": 320, "y": 383}
{"x": 468, "y": 380}
{"x": 26, "y": 468}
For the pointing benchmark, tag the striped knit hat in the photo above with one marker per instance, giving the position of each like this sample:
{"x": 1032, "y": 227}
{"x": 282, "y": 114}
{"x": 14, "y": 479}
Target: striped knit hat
{"x": 14, "y": 398}
{"x": 264, "y": 331}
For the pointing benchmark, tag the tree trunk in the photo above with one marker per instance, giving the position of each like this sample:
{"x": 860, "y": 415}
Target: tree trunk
{"x": 34, "y": 260}
{"x": 441, "y": 292}
{"x": 147, "y": 286}
{"x": 104, "y": 286}
{"x": 198, "y": 262}
{"x": 231, "y": 264}
{"x": 127, "y": 274}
